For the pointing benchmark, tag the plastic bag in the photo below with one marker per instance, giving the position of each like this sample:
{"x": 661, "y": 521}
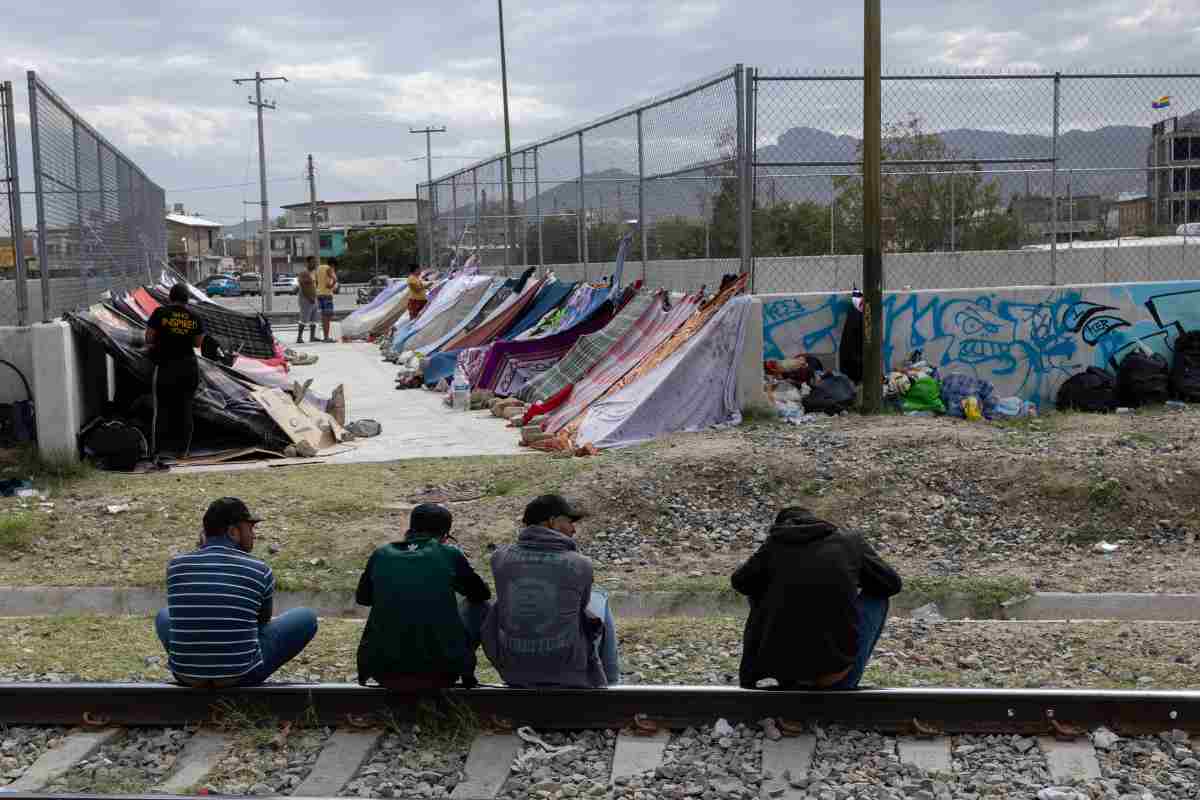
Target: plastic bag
{"x": 925, "y": 394}
{"x": 971, "y": 409}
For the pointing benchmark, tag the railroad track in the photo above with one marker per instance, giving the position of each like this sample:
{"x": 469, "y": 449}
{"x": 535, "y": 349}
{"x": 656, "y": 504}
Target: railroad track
{"x": 928, "y": 731}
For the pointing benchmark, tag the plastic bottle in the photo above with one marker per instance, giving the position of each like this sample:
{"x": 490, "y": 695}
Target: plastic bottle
{"x": 970, "y": 406}
{"x": 460, "y": 390}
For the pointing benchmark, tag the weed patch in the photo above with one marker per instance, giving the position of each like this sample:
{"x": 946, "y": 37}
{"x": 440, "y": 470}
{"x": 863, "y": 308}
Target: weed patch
{"x": 18, "y": 529}
{"x": 1105, "y": 493}
{"x": 984, "y": 596}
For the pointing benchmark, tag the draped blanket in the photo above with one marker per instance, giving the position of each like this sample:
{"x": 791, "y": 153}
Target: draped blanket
{"x": 693, "y": 389}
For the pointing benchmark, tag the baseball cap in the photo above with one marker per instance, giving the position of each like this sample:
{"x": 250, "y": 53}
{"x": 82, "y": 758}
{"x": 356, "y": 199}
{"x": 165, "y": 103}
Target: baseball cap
{"x": 430, "y": 518}
{"x": 549, "y": 506}
{"x": 225, "y": 512}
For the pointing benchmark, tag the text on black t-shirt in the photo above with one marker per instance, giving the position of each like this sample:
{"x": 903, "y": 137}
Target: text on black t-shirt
{"x": 177, "y": 329}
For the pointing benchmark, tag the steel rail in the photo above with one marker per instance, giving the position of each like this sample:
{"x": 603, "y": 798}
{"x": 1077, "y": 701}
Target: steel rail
{"x": 948, "y": 710}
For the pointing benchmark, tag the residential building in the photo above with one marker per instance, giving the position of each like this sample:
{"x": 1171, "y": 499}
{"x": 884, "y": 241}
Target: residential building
{"x": 336, "y": 219}
{"x": 195, "y": 246}
{"x": 1173, "y": 174}
{"x": 1133, "y": 213}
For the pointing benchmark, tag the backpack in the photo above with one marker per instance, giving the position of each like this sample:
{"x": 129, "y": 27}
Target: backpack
{"x": 113, "y": 443}
{"x": 1142, "y": 379}
{"x": 1185, "y": 371}
{"x": 1092, "y": 390}
{"x": 833, "y": 394}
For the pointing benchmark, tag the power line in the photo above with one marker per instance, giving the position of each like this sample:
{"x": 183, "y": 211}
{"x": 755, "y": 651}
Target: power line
{"x": 230, "y": 185}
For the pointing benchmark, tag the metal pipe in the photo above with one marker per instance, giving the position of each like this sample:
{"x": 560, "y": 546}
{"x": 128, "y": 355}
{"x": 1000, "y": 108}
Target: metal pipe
{"x": 1054, "y": 187}
{"x": 475, "y": 195}
{"x": 524, "y": 212}
{"x": 14, "y": 202}
{"x": 916, "y": 162}
{"x": 40, "y": 199}
{"x": 537, "y": 203}
{"x": 641, "y": 155}
{"x": 581, "y": 232}
{"x": 952, "y": 212}
{"x": 744, "y": 189}
{"x": 1029, "y": 76}
{"x": 872, "y": 389}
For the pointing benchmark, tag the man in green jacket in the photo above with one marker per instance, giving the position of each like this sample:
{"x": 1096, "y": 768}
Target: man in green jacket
{"x": 416, "y": 637}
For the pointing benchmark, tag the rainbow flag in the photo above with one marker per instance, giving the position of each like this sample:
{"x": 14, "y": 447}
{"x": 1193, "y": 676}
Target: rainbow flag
{"x": 1162, "y": 102}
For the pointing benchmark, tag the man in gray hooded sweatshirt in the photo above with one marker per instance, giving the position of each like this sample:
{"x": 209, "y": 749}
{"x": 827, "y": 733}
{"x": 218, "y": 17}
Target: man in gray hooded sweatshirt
{"x": 548, "y": 628}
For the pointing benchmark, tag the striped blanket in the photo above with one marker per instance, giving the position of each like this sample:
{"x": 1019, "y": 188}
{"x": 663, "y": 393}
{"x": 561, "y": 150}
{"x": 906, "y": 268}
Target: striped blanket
{"x": 509, "y": 366}
{"x": 650, "y": 330}
{"x": 586, "y": 352}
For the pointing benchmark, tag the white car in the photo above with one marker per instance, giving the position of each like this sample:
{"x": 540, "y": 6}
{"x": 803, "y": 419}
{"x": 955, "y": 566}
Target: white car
{"x": 285, "y": 284}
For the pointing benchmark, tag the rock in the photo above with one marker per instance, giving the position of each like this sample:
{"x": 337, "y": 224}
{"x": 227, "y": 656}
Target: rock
{"x": 722, "y": 729}
{"x": 928, "y": 613}
{"x": 1104, "y": 739}
{"x": 1057, "y": 793}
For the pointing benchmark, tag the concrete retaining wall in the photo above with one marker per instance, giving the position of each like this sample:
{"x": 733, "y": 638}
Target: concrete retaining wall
{"x": 914, "y": 270}
{"x": 1026, "y": 340}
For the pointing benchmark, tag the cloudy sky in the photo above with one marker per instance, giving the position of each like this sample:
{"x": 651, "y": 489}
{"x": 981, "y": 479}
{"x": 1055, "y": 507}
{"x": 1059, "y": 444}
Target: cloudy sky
{"x": 156, "y": 78}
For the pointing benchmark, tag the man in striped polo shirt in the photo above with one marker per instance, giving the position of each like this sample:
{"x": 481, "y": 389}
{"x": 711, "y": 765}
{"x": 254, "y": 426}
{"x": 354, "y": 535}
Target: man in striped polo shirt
{"x": 217, "y": 627}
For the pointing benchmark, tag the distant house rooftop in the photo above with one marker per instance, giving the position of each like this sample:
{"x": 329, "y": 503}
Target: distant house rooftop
{"x": 192, "y": 222}
{"x": 353, "y": 202}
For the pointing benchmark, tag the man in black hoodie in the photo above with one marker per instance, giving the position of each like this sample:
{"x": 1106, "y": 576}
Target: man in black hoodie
{"x": 818, "y": 601}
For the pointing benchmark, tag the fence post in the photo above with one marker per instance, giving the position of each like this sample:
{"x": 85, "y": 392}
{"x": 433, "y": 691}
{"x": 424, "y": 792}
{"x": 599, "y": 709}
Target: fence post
{"x": 506, "y": 215}
{"x": 39, "y": 196}
{"x": 454, "y": 213}
{"x": 582, "y": 244}
{"x": 14, "y": 202}
{"x": 537, "y": 207}
{"x": 523, "y": 236}
{"x": 1054, "y": 186}
{"x": 475, "y": 203}
{"x": 952, "y": 211}
{"x": 641, "y": 192}
{"x": 742, "y": 171}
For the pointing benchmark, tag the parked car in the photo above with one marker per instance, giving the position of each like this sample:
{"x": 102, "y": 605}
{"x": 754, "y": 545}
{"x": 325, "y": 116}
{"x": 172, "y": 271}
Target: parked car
{"x": 369, "y": 292}
{"x": 222, "y": 286}
{"x": 285, "y": 284}
{"x": 250, "y": 282}
{"x": 203, "y": 283}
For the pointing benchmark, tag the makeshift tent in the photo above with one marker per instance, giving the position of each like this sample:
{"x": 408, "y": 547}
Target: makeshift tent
{"x": 552, "y": 295}
{"x": 587, "y": 351}
{"x": 440, "y": 304}
{"x": 453, "y": 316}
{"x": 508, "y": 366}
{"x": 390, "y": 304}
{"x": 693, "y": 389}
{"x": 605, "y": 367}
{"x": 223, "y": 400}
{"x": 494, "y": 293}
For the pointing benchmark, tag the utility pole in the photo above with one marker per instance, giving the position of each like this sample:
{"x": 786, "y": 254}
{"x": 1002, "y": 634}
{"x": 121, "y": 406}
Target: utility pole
{"x": 508, "y": 168}
{"x": 312, "y": 210}
{"x": 429, "y": 180}
{"x": 259, "y": 105}
{"x": 872, "y": 387}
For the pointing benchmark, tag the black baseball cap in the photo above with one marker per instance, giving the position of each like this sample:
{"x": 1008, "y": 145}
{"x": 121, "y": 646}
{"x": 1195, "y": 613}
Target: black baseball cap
{"x": 430, "y": 518}
{"x": 549, "y": 506}
{"x": 224, "y": 513}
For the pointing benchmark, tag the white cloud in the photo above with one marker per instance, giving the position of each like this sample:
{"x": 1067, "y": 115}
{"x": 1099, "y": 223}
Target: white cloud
{"x": 342, "y": 70}
{"x": 1153, "y": 13}
{"x": 146, "y": 123}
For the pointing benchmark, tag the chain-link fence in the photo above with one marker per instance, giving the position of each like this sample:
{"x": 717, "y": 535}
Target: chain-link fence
{"x": 100, "y": 219}
{"x": 989, "y": 180}
{"x": 14, "y": 298}
{"x": 666, "y": 167}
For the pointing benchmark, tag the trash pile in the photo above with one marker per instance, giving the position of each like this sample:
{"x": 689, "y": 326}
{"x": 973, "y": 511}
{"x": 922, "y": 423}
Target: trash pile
{"x": 246, "y": 405}
{"x": 1143, "y": 378}
{"x": 575, "y": 366}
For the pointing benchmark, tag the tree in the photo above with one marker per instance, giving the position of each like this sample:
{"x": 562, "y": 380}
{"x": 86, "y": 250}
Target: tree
{"x": 397, "y": 249}
{"x": 918, "y": 205}
{"x": 791, "y": 229}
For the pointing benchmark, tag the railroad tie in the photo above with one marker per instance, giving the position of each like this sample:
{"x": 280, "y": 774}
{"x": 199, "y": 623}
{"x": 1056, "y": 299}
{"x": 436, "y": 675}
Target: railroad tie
{"x": 636, "y": 754}
{"x": 341, "y": 757}
{"x": 783, "y": 761}
{"x": 488, "y": 765}
{"x": 58, "y": 760}
{"x": 1070, "y": 761}
{"x": 198, "y": 758}
{"x": 931, "y": 755}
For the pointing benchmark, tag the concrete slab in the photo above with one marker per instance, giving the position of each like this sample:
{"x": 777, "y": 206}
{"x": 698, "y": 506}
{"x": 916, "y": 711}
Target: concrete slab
{"x": 784, "y": 760}
{"x": 1107, "y": 605}
{"x": 931, "y": 755}
{"x": 1070, "y": 761}
{"x": 58, "y": 761}
{"x": 198, "y": 758}
{"x": 340, "y": 759}
{"x": 488, "y": 765}
{"x": 416, "y": 424}
{"x": 637, "y": 754}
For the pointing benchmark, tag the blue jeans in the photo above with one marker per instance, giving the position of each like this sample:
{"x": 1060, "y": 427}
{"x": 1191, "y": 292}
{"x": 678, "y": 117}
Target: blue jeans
{"x": 280, "y": 640}
{"x": 606, "y": 645}
{"x": 872, "y": 612}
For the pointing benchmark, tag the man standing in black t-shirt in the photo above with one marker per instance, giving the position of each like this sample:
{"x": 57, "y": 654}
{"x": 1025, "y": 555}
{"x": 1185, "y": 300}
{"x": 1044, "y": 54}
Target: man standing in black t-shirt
{"x": 173, "y": 335}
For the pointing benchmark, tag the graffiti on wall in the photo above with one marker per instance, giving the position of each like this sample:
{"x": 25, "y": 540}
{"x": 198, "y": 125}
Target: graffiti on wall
{"x": 1024, "y": 343}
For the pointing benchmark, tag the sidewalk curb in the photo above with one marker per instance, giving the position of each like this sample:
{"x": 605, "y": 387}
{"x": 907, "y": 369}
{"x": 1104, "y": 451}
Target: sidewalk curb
{"x": 42, "y": 601}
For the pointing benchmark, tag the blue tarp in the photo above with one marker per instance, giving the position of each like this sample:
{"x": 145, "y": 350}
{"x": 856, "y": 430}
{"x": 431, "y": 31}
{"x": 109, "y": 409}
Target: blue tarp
{"x": 549, "y": 298}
